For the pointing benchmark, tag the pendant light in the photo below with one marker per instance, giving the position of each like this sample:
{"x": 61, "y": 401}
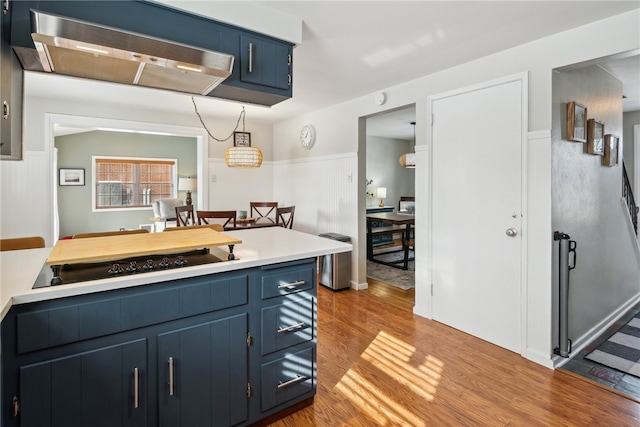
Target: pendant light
{"x": 244, "y": 156}
{"x": 408, "y": 160}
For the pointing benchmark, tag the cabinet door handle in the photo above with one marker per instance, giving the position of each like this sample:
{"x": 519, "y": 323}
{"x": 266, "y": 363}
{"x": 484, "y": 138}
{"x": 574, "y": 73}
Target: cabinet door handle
{"x": 291, "y": 285}
{"x": 296, "y": 380}
{"x": 135, "y": 388}
{"x": 5, "y": 110}
{"x": 171, "y": 376}
{"x": 292, "y": 327}
{"x": 251, "y": 57}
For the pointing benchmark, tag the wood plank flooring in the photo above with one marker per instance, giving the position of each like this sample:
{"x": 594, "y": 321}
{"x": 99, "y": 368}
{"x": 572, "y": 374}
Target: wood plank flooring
{"x": 380, "y": 365}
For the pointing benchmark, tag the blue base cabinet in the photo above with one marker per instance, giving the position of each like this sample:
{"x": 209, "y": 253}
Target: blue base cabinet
{"x": 99, "y": 388}
{"x": 203, "y": 374}
{"x": 225, "y": 349}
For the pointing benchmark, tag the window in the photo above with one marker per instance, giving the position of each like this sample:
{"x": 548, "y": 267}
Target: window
{"x": 132, "y": 183}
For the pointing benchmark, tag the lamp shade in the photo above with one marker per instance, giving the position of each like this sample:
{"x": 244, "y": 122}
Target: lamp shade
{"x": 408, "y": 160}
{"x": 381, "y": 192}
{"x": 187, "y": 184}
{"x": 243, "y": 157}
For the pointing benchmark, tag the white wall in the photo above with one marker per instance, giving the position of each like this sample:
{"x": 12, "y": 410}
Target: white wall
{"x": 339, "y": 130}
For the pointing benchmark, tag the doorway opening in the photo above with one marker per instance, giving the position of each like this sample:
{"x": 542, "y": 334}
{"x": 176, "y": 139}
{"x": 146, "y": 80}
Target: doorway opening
{"x": 66, "y": 124}
{"x": 390, "y": 136}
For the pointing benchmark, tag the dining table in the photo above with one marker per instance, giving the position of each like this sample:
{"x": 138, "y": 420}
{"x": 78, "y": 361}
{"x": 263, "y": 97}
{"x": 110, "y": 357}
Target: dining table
{"x": 247, "y": 223}
{"x": 395, "y": 223}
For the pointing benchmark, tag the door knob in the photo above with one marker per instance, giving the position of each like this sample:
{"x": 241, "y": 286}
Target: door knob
{"x": 511, "y": 232}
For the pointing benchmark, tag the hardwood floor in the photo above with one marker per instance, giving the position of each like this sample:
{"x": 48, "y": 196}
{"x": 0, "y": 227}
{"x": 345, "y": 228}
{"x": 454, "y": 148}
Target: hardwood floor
{"x": 380, "y": 365}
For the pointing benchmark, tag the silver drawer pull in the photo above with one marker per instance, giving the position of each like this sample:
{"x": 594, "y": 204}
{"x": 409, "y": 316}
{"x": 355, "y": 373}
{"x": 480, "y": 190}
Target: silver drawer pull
{"x": 292, "y": 284}
{"x": 292, "y": 327}
{"x": 135, "y": 388}
{"x": 171, "y": 376}
{"x": 296, "y": 380}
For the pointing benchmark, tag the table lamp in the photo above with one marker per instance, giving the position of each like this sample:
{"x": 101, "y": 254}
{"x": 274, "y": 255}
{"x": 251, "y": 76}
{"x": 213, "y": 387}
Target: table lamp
{"x": 381, "y": 193}
{"x": 188, "y": 185}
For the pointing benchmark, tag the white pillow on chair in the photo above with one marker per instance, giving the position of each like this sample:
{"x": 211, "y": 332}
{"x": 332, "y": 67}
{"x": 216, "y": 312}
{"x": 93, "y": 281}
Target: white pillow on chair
{"x": 166, "y": 208}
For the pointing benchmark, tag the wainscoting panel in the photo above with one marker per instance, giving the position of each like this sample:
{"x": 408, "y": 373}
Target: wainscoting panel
{"x": 25, "y": 187}
{"x": 235, "y": 188}
{"x": 325, "y": 193}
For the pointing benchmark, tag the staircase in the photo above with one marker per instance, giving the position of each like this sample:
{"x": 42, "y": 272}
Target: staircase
{"x": 627, "y": 193}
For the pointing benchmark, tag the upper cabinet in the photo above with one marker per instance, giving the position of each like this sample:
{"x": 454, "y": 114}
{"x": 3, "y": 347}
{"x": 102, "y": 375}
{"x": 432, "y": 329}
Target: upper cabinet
{"x": 262, "y": 72}
{"x": 10, "y": 91}
{"x": 262, "y": 66}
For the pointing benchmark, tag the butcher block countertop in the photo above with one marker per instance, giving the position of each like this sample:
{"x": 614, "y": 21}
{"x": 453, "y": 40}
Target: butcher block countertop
{"x": 21, "y": 270}
{"x": 107, "y": 248}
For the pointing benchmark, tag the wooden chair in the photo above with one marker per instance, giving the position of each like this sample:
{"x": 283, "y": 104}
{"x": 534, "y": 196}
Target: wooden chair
{"x": 206, "y": 217}
{"x": 17, "y": 243}
{"x": 262, "y": 209}
{"x": 214, "y": 227}
{"x": 284, "y": 216}
{"x": 185, "y": 216}
{"x": 109, "y": 233}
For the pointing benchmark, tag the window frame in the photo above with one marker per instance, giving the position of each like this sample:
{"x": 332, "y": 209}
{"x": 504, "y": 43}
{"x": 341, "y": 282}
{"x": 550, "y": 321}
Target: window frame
{"x": 94, "y": 159}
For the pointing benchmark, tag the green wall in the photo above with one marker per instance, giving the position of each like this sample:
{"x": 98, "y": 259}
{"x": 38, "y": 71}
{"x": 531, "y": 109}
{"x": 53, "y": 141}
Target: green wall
{"x": 76, "y": 150}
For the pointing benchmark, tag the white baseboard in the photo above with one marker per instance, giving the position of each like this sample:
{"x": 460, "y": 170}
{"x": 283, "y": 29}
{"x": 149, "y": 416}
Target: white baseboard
{"x": 359, "y": 286}
{"x": 596, "y": 331}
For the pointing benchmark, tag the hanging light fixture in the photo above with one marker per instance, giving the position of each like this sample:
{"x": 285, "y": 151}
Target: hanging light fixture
{"x": 243, "y": 157}
{"x": 238, "y": 156}
{"x": 408, "y": 160}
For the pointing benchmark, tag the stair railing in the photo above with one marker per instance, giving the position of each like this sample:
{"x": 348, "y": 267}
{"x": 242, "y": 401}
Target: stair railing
{"x": 627, "y": 193}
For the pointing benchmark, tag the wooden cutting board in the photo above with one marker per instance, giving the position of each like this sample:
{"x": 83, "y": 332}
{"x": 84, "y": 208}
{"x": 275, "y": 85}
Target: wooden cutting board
{"x": 106, "y": 248}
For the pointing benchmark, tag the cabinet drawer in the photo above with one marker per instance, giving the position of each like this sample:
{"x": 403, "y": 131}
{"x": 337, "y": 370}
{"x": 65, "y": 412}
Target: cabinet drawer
{"x": 289, "y": 377}
{"x": 119, "y": 311}
{"x": 288, "y": 280}
{"x": 287, "y": 324}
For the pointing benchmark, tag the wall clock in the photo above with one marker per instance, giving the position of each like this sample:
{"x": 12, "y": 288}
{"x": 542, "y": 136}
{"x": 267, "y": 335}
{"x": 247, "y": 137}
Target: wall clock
{"x": 307, "y": 136}
{"x": 242, "y": 139}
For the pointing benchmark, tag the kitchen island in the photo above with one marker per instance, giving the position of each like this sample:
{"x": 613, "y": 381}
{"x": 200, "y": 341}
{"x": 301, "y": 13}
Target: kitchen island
{"x": 228, "y": 343}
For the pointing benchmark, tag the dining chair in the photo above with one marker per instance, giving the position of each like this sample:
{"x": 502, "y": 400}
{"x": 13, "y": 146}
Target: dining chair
{"x": 32, "y": 242}
{"x": 185, "y": 216}
{"x": 209, "y": 217}
{"x": 284, "y": 216}
{"x": 262, "y": 209}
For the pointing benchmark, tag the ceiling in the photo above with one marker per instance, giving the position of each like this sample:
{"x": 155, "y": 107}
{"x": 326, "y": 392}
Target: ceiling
{"x": 354, "y": 48}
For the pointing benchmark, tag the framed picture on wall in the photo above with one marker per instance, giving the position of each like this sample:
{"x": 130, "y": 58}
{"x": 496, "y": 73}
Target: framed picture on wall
{"x": 71, "y": 177}
{"x": 595, "y": 137}
{"x": 576, "y": 122}
{"x": 242, "y": 139}
{"x": 611, "y": 150}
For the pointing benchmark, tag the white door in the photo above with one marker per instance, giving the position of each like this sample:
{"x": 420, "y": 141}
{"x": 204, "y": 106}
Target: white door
{"x": 476, "y": 202}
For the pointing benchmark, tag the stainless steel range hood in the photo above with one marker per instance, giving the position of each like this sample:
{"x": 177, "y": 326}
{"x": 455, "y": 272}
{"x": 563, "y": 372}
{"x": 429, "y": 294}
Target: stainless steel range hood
{"x": 82, "y": 49}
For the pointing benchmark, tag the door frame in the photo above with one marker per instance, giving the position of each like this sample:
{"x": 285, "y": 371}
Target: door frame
{"x": 524, "y": 99}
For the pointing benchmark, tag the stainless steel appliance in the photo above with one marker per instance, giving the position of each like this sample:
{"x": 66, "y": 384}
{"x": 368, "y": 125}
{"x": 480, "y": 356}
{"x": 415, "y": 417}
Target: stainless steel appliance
{"x": 335, "y": 269}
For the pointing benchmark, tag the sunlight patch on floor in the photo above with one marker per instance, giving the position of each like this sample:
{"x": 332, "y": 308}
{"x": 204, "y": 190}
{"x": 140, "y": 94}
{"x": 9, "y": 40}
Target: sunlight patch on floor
{"x": 396, "y": 359}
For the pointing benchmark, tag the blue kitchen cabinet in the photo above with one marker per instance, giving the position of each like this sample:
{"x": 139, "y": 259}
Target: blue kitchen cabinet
{"x": 288, "y": 307}
{"x": 265, "y": 61}
{"x": 207, "y": 350}
{"x": 11, "y": 90}
{"x": 203, "y": 374}
{"x": 104, "y": 387}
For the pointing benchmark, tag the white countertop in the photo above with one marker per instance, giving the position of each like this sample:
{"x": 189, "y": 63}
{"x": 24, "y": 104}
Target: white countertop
{"x": 20, "y": 270}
